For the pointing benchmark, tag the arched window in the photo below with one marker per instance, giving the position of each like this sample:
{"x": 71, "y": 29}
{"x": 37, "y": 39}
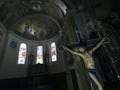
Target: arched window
{"x": 53, "y": 52}
{"x": 22, "y": 53}
{"x": 39, "y": 55}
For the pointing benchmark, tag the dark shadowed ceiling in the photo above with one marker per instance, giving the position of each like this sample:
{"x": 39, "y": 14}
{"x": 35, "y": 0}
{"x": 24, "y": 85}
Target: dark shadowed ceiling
{"x": 13, "y": 10}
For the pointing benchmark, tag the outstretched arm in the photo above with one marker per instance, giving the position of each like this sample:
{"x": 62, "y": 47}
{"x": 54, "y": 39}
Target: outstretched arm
{"x": 97, "y": 46}
{"x": 79, "y": 54}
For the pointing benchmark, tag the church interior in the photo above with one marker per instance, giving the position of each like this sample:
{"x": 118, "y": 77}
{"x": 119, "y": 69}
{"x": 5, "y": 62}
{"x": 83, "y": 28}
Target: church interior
{"x": 40, "y": 42}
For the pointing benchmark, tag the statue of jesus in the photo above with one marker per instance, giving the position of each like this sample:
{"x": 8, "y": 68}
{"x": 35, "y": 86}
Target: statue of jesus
{"x": 86, "y": 55}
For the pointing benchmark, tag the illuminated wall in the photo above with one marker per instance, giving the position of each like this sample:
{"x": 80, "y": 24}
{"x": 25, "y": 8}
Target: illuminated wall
{"x": 13, "y": 66}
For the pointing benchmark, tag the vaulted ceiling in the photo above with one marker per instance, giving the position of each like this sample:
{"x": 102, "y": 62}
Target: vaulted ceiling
{"x": 13, "y": 10}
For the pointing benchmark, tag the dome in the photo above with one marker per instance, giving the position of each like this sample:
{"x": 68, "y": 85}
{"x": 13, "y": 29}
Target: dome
{"x": 36, "y": 27}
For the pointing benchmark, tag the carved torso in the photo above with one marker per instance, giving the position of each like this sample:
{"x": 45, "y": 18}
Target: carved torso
{"x": 88, "y": 60}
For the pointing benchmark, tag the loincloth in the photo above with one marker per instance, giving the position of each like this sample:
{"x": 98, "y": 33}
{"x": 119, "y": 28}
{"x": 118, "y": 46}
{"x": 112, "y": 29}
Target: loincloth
{"x": 93, "y": 71}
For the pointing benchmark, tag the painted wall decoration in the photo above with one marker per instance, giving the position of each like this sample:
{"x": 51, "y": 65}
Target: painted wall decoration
{"x": 39, "y": 55}
{"x": 22, "y": 53}
{"x": 53, "y": 52}
{"x": 36, "y": 27}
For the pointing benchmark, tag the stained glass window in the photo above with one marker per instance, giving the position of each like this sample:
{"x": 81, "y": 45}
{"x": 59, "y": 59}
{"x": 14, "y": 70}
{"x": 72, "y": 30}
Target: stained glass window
{"x": 22, "y": 53}
{"x": 39, "y": 55}
{"x": 53, "y": 52}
